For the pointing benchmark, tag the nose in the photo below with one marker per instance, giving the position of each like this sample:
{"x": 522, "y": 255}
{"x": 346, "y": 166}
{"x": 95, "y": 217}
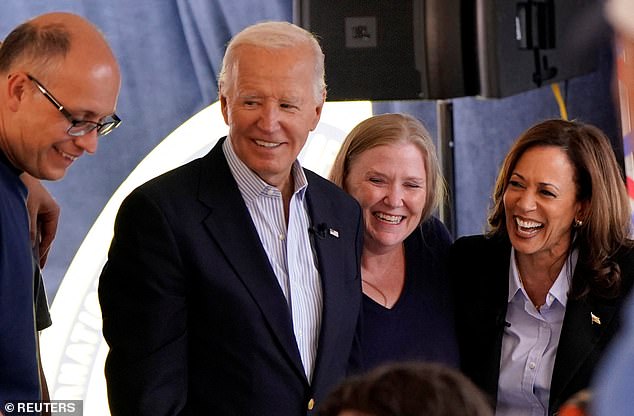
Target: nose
{"x": 394, "y": 197}
{"x": 88, "y": 142}
{"x": 526, "y": 201}
{"x": 269, "y": 118}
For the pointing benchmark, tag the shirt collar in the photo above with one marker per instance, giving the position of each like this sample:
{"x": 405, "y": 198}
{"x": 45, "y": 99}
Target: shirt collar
{"x": 559, "y": 289}
{"x": 514, "y": 278}
{"x": 251, "y": 186}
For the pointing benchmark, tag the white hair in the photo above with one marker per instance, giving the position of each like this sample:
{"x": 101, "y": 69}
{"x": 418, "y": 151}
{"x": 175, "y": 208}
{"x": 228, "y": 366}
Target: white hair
{"x": 274, "y": 35}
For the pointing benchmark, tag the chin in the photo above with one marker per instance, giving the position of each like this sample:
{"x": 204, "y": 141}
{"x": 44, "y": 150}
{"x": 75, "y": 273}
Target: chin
{"x": 524, "y": 247}
{"x": 391, "y": 243}
{"x": 52, "y": 176}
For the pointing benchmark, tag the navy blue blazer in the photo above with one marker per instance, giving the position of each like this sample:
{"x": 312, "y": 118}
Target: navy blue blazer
{"x": 193, "y": 313}
{"x": 480, "y": 271}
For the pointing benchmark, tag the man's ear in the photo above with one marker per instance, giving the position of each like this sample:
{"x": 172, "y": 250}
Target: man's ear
{"x": 16, "y": 87}
{"x": 223, "y": 107}
{"x": 318, "y": 110}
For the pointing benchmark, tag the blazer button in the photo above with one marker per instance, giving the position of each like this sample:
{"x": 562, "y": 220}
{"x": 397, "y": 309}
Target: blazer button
{"x": 311, "y": 404}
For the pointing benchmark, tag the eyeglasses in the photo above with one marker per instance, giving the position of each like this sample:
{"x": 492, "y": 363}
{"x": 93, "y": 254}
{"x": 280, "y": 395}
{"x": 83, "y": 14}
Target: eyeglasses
{"x": 79, "y": 127}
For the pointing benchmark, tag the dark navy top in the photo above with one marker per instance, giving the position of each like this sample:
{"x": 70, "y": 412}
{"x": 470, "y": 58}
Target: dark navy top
{"x": 420, "y": 325}
{"x": 19, "y": 375}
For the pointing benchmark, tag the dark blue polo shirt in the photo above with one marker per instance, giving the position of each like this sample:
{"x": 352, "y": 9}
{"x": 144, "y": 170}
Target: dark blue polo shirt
{"x": 19, "y": 375}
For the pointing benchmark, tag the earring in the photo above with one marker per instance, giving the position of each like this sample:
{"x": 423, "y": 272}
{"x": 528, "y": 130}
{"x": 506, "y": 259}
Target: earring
{"x": 578, "y": 223}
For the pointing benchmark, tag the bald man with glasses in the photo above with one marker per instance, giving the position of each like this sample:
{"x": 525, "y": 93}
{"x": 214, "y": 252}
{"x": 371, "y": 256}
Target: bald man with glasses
{"x": 59, "y": 85}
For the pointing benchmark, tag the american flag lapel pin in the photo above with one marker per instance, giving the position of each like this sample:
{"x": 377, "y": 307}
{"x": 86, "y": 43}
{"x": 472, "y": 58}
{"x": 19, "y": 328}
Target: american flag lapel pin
{"x": 333, "y": 232}
{"x": 595, "y": 319}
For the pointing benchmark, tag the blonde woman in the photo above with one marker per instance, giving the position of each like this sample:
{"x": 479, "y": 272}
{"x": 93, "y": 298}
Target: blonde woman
{"x": 388, "y": 164}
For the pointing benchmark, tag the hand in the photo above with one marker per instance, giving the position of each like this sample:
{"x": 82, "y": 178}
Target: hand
{"x": 43, "y": 216}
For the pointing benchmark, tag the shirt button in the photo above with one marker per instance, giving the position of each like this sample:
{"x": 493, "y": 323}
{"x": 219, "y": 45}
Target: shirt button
{"x": 270, "y": 191}
{"x": 282, "y": 237}
{"x": 311, "y": 404}
{"x": 531, "y": 366}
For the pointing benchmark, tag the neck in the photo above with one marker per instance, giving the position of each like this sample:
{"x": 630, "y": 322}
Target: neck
{"x": 383, "y": 275}
{"x": 546, "y": 268}
{"x": 378, "y": 259}
{"x": 287, "y": 193}
{"x": 538, "y": 275}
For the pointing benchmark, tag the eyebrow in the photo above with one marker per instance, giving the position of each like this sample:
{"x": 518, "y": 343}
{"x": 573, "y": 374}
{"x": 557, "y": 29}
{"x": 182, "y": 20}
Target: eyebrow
{"x": 416, "y": 179}
{"x": 540, "y": 183}
{"x": 246, "y": 94}
{"x": 86, "y": 113}
{"x": 373, "y": 171}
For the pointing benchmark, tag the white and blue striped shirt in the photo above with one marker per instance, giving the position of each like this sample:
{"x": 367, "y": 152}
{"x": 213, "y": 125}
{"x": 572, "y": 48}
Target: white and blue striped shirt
{"x": 289, "y": 249}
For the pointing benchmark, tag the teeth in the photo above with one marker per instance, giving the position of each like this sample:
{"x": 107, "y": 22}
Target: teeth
{"x": 394, "y": 219}
{"x": 266, "y": 144}
{"x": 67, "y": 155}
{"x": 527, "y": 224}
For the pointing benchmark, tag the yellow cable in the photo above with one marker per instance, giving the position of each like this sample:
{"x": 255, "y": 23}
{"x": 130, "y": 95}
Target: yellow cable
{"x": 560, "y": 101}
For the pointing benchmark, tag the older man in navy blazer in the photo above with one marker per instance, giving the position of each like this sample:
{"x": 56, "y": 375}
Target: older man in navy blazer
{"x": 232, "y": 285}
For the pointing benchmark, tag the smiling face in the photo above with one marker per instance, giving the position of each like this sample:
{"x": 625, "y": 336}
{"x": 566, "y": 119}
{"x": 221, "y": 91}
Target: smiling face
{"x": 389, "y": 182}
{"x": 540, "y": 202}
{"x": 33, "y": 133}
{"x": 44, "y": 148}
{"x": 270, "y": 108}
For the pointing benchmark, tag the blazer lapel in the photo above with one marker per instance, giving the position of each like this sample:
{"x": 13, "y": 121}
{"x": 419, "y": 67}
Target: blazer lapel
{"x": 338, "y": 287}
{"x": 496, "y": 306}
{"x": 230, "y": 224}
{"x": 580, "y": 335}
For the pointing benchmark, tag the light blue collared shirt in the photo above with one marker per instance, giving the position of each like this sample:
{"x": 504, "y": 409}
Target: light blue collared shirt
{"x": 529, "y": 344}
{"x": 289, "y": 249}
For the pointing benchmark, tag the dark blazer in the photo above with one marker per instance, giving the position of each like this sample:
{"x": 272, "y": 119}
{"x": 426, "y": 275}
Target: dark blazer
{"x": 193, "y": 313}
{"x": 480, "y": 272}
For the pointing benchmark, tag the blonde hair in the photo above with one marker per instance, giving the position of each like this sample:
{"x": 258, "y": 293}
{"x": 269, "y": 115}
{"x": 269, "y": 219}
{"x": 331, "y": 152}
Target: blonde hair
{"x": 388, "y": 129}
